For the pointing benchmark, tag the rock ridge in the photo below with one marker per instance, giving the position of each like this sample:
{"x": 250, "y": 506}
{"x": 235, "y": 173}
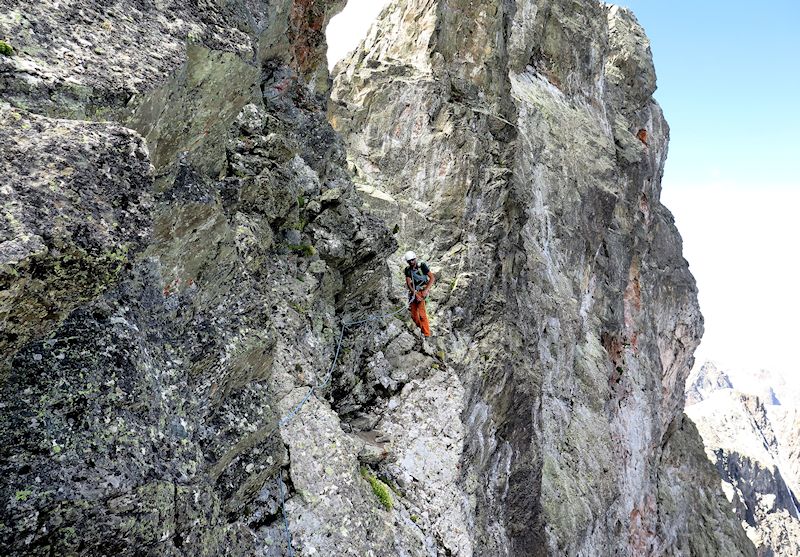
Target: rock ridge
{"x": 752, "y": 445}
{"x": 517, "y": 145}
{"x": 189, "y": 222}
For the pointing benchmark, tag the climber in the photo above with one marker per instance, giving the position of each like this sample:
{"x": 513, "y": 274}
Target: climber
{"x": 419, "y": 280}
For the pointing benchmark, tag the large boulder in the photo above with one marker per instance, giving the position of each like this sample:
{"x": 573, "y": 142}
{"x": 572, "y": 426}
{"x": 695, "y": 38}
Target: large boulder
{"x": 76, "y": 208}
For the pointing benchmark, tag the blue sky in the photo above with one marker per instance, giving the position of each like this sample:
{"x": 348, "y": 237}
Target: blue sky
{"x": 729, "y": 84}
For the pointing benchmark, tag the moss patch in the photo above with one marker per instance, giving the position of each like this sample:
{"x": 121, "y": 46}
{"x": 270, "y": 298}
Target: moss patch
{"x": 305, "y": 249}
{"x": 6, "y": 49}
{"x": 23, "y": 494}
{"x": 380, "y": 489}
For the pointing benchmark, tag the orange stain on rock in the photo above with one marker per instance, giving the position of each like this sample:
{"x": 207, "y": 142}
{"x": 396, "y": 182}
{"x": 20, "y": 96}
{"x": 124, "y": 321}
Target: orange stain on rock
{"x": 642, "y": 535}
{"x": 306, "y": 23}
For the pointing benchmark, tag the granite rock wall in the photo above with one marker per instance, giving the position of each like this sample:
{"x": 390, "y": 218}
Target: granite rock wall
{"x": 517, "y": 147}
{"x": 188, "y": 246}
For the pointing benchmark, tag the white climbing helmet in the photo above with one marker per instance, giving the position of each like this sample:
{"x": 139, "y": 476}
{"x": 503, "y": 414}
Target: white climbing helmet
{"x": 410, "y": 255}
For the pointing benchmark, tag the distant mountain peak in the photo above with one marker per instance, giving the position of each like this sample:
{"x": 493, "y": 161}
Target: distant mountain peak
{"x": 762, "y": 383}
{"x": 708, "y": 379}
{"x": 752, "y": 439}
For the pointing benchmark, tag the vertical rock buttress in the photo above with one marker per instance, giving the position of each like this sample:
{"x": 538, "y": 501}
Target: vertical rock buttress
{"x": 517, "y": 147}
{"x": 181, "y": 243}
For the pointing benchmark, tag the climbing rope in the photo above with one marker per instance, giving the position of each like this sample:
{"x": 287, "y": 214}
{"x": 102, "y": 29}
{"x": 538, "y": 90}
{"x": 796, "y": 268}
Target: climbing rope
{"x": 291, "y": 415}
{"x": 283, "y": 511}
{"x": 312, "y": 391}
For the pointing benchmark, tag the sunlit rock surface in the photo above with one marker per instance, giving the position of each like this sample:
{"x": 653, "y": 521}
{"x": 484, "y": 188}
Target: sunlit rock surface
{"x": 706, "y": 380}
{"x": 517, "y": 147}
{"x": 182, "y": 244}
{"x": 754, "y": 445}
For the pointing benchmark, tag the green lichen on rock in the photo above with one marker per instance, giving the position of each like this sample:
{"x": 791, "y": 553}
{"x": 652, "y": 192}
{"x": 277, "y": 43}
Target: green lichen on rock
{"x": 304, "y": 249}
{"x": 6, "y": 49}
{"x": 23, "y": 494}
{"x": 98, "y": 177}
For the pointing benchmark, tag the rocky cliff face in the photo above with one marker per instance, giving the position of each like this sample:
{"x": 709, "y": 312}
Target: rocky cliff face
{"x": 786, "y": 422}
{"x": 182, "y": 247}
{"x": 754, "y": 446}
{"x": 516, "y": 146}
{"x": 173, "y": 282}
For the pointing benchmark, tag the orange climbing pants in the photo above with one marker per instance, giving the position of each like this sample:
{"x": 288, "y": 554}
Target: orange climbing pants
{"x": 420, "y": 316}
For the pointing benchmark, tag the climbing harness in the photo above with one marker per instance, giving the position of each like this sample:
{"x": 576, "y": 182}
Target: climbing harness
{"x": 312, "y": 391}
